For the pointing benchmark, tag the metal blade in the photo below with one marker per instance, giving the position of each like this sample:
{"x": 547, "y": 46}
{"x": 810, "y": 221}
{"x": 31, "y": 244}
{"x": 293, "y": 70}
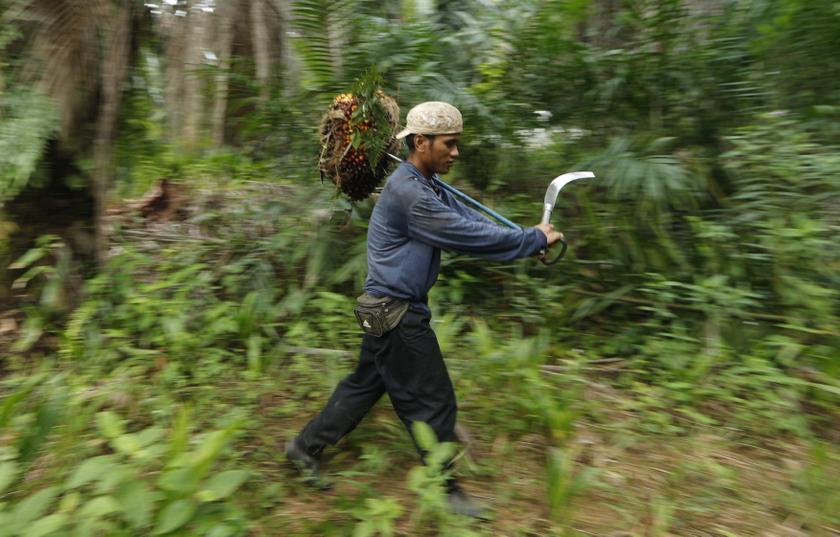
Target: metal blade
{"x": 554, "y": 189}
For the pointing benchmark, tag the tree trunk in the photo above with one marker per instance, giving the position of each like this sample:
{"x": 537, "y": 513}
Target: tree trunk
{"x": 262, "y": 47}
{"x": 290, "y": 61}
{"x": 193, "y": 84}
{"x": 225, "y": 15}
{"x": 114, "y": 69}
{"x": 174, "y": 76}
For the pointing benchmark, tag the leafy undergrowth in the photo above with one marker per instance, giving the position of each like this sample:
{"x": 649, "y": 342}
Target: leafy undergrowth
{"x": 160, "y": 403}
{"x": 132, "y": 453}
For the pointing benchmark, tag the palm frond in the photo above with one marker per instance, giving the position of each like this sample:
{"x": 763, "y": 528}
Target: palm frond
{"x": 652, "y": 180}
{"x": 27, "y": 121}
{"x": 323, "y": 27}
{"x": 63, "y": 37}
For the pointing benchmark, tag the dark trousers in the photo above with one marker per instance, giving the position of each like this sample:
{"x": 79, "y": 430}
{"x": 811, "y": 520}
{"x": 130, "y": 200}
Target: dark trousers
{"x": 407, "y": 364}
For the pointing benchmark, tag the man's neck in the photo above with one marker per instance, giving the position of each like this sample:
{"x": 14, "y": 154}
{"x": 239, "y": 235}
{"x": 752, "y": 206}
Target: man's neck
{"x": 414, "y": 159}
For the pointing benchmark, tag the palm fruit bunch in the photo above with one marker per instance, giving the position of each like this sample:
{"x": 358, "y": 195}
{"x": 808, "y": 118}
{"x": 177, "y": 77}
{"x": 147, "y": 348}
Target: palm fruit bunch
{"x": 356, "y": 132}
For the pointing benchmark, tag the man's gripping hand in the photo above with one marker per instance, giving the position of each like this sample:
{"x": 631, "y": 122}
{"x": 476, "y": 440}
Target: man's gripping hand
{"x": 551, "y": 235}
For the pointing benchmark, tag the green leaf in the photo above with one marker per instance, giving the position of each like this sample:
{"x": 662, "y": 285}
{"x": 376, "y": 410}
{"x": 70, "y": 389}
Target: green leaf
{"x": 222, "y": 485}
{"x": 424, "y": 435}
{"x": 9, "y": 403}
{"x": 180, "y": 481}
{"x": 365, "y": 528}
{"x": 33, "y": 328}
{"x": 7, "y": 525}
{"x": 221, "y": 530}
{"x": 119, "y": 474}
{"x": 47, "y": 525}
{"x": 210, "y": 448}
{"x": 180, "y": 432}
{"x": 149, "y": 436}
{"x": 99, "y": 507}
{"x": 47, "y": 416}
{"x": 697, "y": 416}
{"x": 30, "y": 274}
{"x": 175, "y": 515}
{"x": 127, "y": 443}
{"x": 90, "y": 470}
{"x": 137, "y": 502}
{"x": 28, "y": 120}
{"x": 28, "y": 258}
{"x": 109, "y": 424}
{"x": 254, "y": 354}
{"x": 69, "y": 502}
{"x": 51, "y": 294}
{"x": 8, "y": 473}
{"x": 33, "y": 507}
{"x": 356, "y": 139}
{"x": 820, "y": 386}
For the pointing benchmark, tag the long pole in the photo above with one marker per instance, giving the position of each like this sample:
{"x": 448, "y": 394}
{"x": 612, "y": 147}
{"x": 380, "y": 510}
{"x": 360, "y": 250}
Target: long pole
{"x": 474, "y": 203}
{"x": 464, "y": 197}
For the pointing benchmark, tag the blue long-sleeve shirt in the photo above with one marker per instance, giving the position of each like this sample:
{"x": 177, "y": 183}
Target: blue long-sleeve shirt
{"x": 410, "y": 224}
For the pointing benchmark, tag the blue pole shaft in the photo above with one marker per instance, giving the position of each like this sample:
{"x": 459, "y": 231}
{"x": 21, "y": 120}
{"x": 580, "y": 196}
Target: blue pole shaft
{"x": 476, "y": 204}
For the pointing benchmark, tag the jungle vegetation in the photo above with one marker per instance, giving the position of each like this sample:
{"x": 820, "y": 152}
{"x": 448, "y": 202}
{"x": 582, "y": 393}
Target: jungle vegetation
{"x": 177, "y": 281}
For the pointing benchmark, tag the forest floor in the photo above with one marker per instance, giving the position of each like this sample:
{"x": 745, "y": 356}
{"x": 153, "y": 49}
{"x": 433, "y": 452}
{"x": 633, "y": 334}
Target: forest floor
{"x": 706, "y": 483}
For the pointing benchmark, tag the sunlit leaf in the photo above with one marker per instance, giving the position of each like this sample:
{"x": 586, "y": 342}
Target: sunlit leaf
{"x": 47, "y": 525}
{"x": 99, "y": 507}
{"x": 222, "y": 485}
{"x": 424, "y": 435}
{"x": 179, "y": 480}
{"x": 8, "y": 473}
{"x": 175, "y": 515}
{"x": 109, "y": 424}
{"x": 137, "y": 502}
{"x": 90, "y": 470}
{"x": 33, "y": 507}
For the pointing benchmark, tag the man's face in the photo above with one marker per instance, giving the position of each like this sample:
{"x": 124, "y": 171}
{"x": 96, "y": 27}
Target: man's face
{"x": 440, "y": 152}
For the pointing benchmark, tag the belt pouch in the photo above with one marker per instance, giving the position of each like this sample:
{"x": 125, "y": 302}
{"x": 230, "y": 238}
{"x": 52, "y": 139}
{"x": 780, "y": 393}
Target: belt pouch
{"x": 378, "y": 315}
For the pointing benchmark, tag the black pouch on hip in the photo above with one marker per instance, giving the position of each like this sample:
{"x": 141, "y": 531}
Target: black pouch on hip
{"x": 378, "y": 315}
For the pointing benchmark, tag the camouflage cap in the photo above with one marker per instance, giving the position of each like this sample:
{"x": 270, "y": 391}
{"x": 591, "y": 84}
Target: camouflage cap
{"x": 432, "y": 117}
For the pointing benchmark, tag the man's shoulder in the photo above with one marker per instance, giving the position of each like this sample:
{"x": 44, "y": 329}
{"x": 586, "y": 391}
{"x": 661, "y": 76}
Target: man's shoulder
{"x": 403, "y": 184}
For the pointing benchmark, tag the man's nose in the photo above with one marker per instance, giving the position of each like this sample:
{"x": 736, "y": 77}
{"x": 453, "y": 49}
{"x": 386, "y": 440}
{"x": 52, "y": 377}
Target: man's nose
{"x": 454, "y": 151}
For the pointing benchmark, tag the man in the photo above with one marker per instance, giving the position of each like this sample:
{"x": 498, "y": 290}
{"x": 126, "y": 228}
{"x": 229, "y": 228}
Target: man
{"x": 412, "y": 222}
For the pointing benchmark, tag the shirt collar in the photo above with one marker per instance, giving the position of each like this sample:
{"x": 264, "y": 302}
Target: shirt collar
{"x": 430, "y": 182}
{"x": 415, "y": 172}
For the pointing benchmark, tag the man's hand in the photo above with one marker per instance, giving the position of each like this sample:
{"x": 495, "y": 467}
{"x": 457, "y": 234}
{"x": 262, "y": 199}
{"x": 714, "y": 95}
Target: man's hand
{"x": 550, "y": 234}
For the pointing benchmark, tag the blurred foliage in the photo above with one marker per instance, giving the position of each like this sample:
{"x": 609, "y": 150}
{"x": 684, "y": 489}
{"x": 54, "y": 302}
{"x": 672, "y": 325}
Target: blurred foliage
{"x": 27, "y": 120}
{"x": 701, "y": 291}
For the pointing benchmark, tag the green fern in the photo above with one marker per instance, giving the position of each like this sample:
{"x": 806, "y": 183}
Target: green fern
{"x": 27, "y": 121}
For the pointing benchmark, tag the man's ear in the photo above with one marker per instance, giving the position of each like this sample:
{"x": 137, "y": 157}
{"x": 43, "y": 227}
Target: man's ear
{"x": 420, "y": 142}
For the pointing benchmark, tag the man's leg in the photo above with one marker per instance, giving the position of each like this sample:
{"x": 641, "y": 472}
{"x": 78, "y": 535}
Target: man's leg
{"x": 416, "y": 378}
{"x": 420, "y": 389}
{"x": 349, "y": 403}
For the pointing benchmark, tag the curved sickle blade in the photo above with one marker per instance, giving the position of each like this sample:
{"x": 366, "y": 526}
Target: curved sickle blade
{"x": 554, "y": 189}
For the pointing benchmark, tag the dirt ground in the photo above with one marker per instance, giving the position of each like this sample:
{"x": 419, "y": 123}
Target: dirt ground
{"x": 703, "y": 484}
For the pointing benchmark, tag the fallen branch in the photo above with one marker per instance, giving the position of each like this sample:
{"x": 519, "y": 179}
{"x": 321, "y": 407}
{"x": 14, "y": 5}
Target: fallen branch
{"x": 316, "y": 351}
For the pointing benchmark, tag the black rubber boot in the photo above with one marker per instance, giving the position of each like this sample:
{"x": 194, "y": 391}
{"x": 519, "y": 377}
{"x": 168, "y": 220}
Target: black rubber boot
{"x": 307, "y": 465}
{"x": 460, "y": 503}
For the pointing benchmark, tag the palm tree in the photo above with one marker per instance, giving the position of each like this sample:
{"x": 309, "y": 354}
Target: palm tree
{"x": 77, "y": 52}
